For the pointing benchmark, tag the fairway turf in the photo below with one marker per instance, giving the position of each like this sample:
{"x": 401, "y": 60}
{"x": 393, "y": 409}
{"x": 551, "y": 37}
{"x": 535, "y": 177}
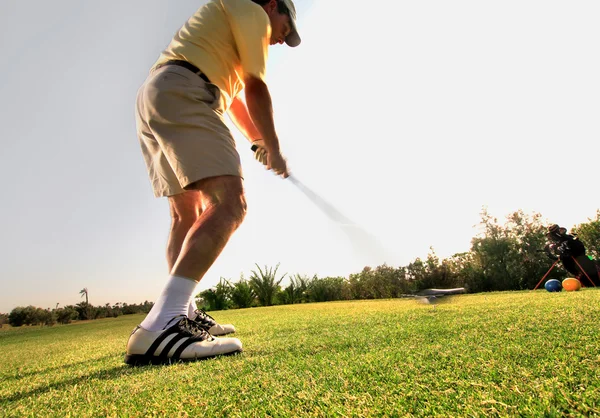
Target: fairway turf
{"x": 489, "y": 354}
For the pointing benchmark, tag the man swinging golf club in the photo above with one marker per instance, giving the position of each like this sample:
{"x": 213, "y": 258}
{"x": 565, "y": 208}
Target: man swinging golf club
{"x": 192, "y": 160}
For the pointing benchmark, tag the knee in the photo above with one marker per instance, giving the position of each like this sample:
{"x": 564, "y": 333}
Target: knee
{"x": 183, "y": 219}
{"x": 235, "y": 208}
{"x": 230, "y": 207}
{"x": 223, "y": 197}
{"x": 185, "y": 211}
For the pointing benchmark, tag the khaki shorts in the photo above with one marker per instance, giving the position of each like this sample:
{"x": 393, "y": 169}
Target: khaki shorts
{"x": 182, "y": 132}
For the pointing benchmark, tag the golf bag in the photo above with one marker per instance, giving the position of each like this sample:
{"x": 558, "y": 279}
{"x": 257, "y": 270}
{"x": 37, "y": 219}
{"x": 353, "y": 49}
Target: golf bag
{"x": 571, "y": 253}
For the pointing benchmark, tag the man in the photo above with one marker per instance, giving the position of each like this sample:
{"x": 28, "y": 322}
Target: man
{"x": 192, "y": 160}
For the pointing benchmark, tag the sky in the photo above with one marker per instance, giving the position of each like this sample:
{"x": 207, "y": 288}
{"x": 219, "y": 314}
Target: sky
{"x": 409, "y": 117}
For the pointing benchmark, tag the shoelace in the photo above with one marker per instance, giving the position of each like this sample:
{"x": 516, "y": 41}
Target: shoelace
{"x": 192, "y": 327}
{"x": 203, "y": 312}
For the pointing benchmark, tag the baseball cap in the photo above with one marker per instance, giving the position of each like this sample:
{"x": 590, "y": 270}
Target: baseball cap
{"x": 293, "y": 39}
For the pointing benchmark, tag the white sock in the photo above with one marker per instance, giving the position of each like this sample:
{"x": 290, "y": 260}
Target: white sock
{"x": 174, "y": 300}
{"x": 192, "y": 308}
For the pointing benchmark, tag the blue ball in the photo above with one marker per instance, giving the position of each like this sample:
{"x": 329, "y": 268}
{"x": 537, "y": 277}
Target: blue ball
{"x": 553, "y": 285}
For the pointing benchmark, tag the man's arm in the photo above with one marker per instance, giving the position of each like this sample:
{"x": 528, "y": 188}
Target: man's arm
{"x": 260, "y": 110}
{"x": 238, "y": 112}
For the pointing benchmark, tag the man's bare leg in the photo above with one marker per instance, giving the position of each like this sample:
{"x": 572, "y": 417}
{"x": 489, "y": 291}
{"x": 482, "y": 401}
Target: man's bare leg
{"x": 221, "y": 206}
{"x": 185, "y": 209}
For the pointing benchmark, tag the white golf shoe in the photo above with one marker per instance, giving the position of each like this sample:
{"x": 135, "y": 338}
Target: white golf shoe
{"x": 184, "y": 340}
{"x": 210, "y": 325}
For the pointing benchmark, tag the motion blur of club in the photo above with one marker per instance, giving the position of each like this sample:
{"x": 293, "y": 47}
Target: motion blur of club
{"x": 435, "y": 296}
{"x": 364, "y": 242}
{"x": 361, "y": 239}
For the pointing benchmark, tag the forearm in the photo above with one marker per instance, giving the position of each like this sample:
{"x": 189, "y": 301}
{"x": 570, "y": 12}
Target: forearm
{"x": 260, "y": 108}
{"x": 239, "y": 115}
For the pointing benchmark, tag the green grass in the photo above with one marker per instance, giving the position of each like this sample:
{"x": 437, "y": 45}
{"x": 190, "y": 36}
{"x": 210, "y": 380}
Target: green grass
{"x": 495, "y": 354}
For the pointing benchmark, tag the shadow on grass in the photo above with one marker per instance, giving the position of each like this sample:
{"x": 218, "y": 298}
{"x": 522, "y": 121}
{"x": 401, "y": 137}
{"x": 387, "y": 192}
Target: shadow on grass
{"x": 116, "y": 372}
{"x": 17, "y": 375}
{"x": 113, "y": 373}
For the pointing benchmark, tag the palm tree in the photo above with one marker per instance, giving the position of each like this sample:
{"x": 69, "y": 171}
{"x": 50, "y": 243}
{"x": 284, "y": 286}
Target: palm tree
{"x": 265, "y": 285}
{"x": 218, "y": 296}
{"x": 296, "y": 290}
{"x": 82, "y": 292}
{"x": 241, "y": 293}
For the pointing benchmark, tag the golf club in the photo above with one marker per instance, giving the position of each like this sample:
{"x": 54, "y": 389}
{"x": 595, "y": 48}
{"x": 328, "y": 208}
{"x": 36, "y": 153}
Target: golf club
{"x": 433, "y": 296}
{"x": 362, "y": 241}
{"x": 327, "y": 208}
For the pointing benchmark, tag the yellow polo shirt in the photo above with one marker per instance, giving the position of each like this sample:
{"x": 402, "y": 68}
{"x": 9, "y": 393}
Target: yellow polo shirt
{"x": 225, "y": 39}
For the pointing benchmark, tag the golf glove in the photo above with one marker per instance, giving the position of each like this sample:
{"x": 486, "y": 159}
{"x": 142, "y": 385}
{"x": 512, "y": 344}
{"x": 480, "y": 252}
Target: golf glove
{"x": 260, "y": 152}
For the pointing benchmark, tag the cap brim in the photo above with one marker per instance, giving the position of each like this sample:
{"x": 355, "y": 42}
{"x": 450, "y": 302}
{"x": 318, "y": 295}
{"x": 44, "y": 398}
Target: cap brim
{"x": 293, "y": 39}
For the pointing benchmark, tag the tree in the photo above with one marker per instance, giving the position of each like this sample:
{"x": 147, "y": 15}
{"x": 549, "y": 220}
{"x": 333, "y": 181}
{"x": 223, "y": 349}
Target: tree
{"x": 415, "y": 273}
{"x": 46, "y": 317}
{"x": 529, "y": 233}
{"x": 130, "y": 309}
{"x": 30, "y": 315}
{"x": 390, "y": 282}
{"x": 66, "y": 315}
{"x": 295, "y": 292}
{"x": 358, "y": 284}
{"x": 241, "y": 293}
{"x": 265, "y": 284}
{"x": 589, "y": 234}
{"x": 497, "y": 255}
{"x": 17, "y": 317}
{"x": 83, "y": 292}
{"x": 437, "y": 273}
{"x": 509, "y": 256}
{"x": 85, "y": 310}
{"x": 326, "y": 289}
{"x": 217, "y": 297}
{"x": 468, "y": 271}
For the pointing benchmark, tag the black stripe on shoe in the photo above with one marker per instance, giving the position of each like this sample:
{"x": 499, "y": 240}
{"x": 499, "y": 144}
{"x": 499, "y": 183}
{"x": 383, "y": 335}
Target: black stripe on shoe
{"x": 183, "y": 346}
{"x": 151, "y": 351}
{"x": 165, "y": 351}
